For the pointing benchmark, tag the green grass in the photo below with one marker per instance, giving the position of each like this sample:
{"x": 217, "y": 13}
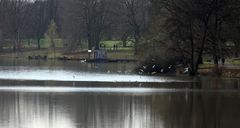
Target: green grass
{"x": 31, "y": 43}
{"x": 120, "y": 53}
{"x": 206, "y": 66}
{"x": 110, "y": 43}
{"x": 59, "y": 43}
{"x": 45, "y": 43}
{"x": 236, "y": 61}
{"x": 231, "y": 61}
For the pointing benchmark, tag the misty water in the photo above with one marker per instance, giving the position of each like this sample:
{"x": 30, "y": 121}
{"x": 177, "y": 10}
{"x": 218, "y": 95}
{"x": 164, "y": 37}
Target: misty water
{"x": 58, "y": 94}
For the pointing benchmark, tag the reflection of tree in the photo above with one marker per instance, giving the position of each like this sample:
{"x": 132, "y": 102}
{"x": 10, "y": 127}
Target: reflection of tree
{"x": 199, "y": 113}
{"x": 174, "y": 109}
{"x": 190, "y": 109}
{"x": 207, "y": 110}
{"x": 199, "y": 109}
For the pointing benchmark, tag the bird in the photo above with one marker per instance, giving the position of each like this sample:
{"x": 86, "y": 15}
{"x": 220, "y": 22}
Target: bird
{"x": 162, "y": 70}
{"x": 153, "y": 66}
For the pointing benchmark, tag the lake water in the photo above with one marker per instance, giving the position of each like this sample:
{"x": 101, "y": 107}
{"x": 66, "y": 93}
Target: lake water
{"x": 38, "y": 94}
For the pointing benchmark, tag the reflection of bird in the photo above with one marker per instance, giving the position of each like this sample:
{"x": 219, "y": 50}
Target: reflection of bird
{"x": 127, "y": 71}
{"x": 119, "y": 71}
{"x": 144, "y": 67}
{"x": 154, "y": 73}
{"x": 83, "y": 61}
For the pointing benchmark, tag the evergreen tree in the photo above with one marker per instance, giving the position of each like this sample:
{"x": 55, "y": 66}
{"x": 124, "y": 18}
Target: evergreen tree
{"x": 51, "y": 35}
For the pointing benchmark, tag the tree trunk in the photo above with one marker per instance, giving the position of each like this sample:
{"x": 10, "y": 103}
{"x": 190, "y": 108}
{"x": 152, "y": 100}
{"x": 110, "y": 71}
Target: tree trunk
{"x": 137, "y": 39}
{"x": 193, "y": 71}
{"x": 124, "y": 43}
{"x": 124, "y": 39}
{"x": 1, "y": 42}
{"x": 89, "y": 41}
{"x": 38, "y": 43}
{"x": 236, "y": 54}
{"x": 18, "y": 43}
{"x": 216, "y": 68}
{"x": 14, "y": 46}
{"x": 97, "y": 42}
{"x": 237, "y": 48}
{"x": 53, "y": 46}
{"x": 136, "y": 46}
{"x": 200, "y": 54}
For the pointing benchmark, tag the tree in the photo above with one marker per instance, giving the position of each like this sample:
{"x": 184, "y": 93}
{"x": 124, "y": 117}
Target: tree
{"x": 85, "y": 20}
{"x": 52, "y": 8}
{"x": 72, "y": 24}
{"x": 18, "y": 13}
{"x": 40, "y": 20}
{"x": 94, "y": 16}
{"x": 195, "y": 27}
{"x": 52, "y": 35}
{"x": 136, "y": 19}
{"x": 3, "y": 9}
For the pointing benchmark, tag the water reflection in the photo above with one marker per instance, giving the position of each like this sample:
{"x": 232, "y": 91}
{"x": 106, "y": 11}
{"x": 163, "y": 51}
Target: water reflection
{"x": 69, "y": 102}
{"x": 167, "y": 109}
{"x": 20, "y": 110}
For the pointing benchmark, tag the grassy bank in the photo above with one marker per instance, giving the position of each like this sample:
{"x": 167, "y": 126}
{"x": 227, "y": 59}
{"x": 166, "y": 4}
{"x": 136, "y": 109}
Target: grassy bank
{"x": 114, "y": 48}
{"x": 60, "y": 52}
{"x": 60, "y": 43}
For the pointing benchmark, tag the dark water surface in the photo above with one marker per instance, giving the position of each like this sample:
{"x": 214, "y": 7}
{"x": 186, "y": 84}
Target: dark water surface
{"x": 123, "y": 109}
{"x": 77, "y": 95}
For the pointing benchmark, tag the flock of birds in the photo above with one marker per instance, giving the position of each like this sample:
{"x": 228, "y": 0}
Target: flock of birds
{"x": 154, "y": 69}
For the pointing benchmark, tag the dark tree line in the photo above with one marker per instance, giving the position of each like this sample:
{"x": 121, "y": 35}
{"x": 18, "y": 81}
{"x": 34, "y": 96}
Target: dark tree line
{"x": 94, "y": 20}
{"x": 195, "y": 28}
{"x": 24, "y": 19}
{"x": 85, "y": 20}
{"x": 78, "y": 21}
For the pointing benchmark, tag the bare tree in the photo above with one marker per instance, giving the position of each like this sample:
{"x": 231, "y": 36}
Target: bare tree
{"x": 85, "y": 19}
{"x": 3, "y": 9}
{"x": 40, "y": 20}
{"x": 94, "y": 14}
{"x": 196, "y": 27}
{"x": 136, "y": 12}
{"x": 18, "y": 13}
{"x": 72, "y": 23}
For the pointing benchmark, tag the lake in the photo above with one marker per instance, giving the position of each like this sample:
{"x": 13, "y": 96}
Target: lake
{"x": 58, "y": 94}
